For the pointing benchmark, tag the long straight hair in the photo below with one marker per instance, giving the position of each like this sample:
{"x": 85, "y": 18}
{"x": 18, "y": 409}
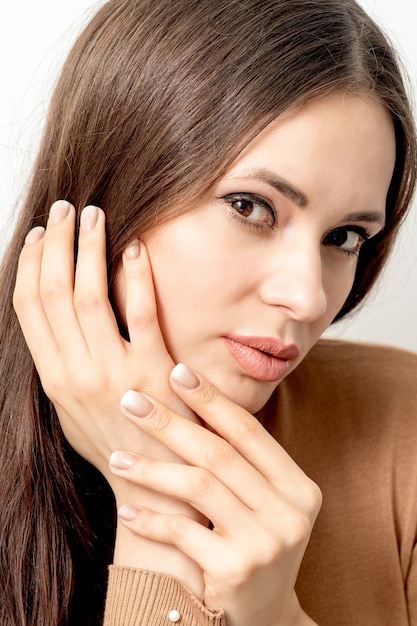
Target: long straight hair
{"x": 155, "y": 100}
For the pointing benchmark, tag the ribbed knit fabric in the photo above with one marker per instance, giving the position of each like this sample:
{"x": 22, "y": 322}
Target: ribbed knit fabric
{"x": 138, "y": 597}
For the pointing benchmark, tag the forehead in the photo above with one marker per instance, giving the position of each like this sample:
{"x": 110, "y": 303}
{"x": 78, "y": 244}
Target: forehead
{"x": 339, "y": 144}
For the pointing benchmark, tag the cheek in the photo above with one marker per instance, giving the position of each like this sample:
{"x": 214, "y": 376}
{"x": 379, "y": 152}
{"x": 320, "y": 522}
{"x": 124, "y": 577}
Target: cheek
{"x": 200, "y": 282}
{"x": 185, "y": 282}
{"x": 189, "y": 290}
{"x": 192, "y": 267}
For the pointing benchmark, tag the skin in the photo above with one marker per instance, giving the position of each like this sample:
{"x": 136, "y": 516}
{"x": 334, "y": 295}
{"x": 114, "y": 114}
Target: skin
{"x": 285, "y": 280}
{"x": 216, "y": 275}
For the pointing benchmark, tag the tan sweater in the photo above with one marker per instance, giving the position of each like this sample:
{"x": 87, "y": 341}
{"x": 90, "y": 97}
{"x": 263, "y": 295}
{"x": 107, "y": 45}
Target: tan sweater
{"x": 348, "y": 416}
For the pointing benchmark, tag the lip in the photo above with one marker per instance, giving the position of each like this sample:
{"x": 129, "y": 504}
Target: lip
{"x": 265, "y": 359}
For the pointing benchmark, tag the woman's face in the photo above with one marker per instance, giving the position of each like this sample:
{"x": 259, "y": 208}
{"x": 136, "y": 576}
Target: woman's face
{"x": 249, "y": 279}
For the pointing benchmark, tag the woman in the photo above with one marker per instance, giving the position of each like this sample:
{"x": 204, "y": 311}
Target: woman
{"x": 264, "y": 154}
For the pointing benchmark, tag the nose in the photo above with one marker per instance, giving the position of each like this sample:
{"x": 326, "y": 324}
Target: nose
{"x": 294, "y": 281}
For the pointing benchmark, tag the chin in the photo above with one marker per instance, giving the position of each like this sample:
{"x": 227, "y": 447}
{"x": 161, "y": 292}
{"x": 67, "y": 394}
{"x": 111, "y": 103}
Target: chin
{"x": 256, "y": 404}
{"x": 244, "y": 391}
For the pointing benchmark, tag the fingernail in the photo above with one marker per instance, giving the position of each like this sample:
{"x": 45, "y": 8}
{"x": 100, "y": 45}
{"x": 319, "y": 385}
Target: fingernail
{"x": 122, "y": 460}
{"x": 59, "y": 211}
{"x": 137, "y": 404}
{"x": 184, "y": 377}
{"x": 132, "y": 251}
{"x": 127, "y": 512}
{"x": 89, "y": 216}
{"x": 35, "y": 234}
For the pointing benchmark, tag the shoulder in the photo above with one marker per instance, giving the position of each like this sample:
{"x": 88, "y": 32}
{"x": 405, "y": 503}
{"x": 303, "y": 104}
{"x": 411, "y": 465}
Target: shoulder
{"x": 358, "y": 355}
{"x": 356, "y": 387}
{"x": 344, "y": 367}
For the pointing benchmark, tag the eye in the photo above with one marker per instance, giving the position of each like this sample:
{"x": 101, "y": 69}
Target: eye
{"x": 348, "y": 240}
{"x": 252, "y": 209}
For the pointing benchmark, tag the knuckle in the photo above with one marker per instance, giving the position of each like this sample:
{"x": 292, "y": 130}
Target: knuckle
{"x": 52, "y": 292}
{"x": 298, "y": 530}
{"x": 144, "y": 471}
{"x": 134, "y": 271}
{"x": 207, "y": 394}
{"x": 140, "y": 318}
{"x": 310, "y": 496}
{"x": 22, "y": 300}
{"x": 50, "y": 387}
{"x": 147, "y": 520}
{"x": 218, "y": 452}
{"x": 202, "y": 481}
{"x": 51, "y": 381}
{"x": 178, "y": 526}
{"x": 86, "y": 301}
{"x": 162, "y": 420}
{"x": 314, "y": 499}
{"x": 248, "y": 425}
{"x": 268, "y": 546}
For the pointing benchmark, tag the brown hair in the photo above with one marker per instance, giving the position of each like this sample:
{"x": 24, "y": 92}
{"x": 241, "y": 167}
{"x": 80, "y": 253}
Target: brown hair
{"x": 155, "y": 100}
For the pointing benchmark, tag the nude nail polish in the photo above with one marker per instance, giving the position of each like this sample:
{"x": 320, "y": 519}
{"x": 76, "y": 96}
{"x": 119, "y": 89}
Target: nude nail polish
{"x": 132, "y": 251}
{"x": 35, "y": 234}
{"x": 89, "y": 216}
{"x": 127, "y": 512}
{"x": 122, "y": 460}
{"x": 59, "y": 211}
{"x": 184, "y": 377}
{"x": 136, "y": 403}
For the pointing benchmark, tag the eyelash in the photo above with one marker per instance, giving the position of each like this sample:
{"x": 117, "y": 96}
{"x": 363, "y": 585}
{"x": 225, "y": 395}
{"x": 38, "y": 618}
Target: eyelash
{"x": 364, "y": 234}
{"x": 255, "y": 200}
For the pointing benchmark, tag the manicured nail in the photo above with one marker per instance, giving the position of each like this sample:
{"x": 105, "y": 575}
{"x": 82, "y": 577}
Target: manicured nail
{"x": 59, "y": 211}
{"x": 89, "y": 217}
{"x": 35, "y": 234}
{"x": 132, "y": 251}
{"x": 122, "y": 460}
{"x": 137, "y": 404}
{"x": 184, "y": 377}
{"x": 127, "y": 512}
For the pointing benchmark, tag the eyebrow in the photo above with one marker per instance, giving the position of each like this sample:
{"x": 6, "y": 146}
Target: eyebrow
{"x": 369, "y": 216}
{"x": 298, "y": 197}
{"x": 280, "y": 184}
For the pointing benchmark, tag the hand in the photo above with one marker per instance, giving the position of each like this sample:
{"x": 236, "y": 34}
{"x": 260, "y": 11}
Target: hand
{"x": 85, "y": 365}
{"x": 68, "y": 323}
{"x": 262, "y": 506}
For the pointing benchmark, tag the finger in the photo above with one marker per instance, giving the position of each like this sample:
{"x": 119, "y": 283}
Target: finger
{"x": 236, "y": 425}
{"x": 94, "y": 312}
{"x": 141, "y": 309}
{"x": 196, "y": 541}
{"x": 26, "y": 300}
{"x": 245, "y": 455}
{"x": 199, "y": 447}
{"x": 193, "y": 485}
{"x": 57, "y": 279}
{"x": 246, "y": 435}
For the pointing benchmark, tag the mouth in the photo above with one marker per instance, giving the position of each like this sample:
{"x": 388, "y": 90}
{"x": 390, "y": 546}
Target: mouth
{"x": 263, "y": 358}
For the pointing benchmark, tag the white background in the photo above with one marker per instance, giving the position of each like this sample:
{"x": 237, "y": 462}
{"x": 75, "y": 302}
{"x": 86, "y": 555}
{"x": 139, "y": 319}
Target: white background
{"x": 34, "y": 38}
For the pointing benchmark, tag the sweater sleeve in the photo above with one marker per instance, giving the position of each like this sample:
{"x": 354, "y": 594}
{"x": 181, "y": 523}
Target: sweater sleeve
{"x": 138, "y": 598}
